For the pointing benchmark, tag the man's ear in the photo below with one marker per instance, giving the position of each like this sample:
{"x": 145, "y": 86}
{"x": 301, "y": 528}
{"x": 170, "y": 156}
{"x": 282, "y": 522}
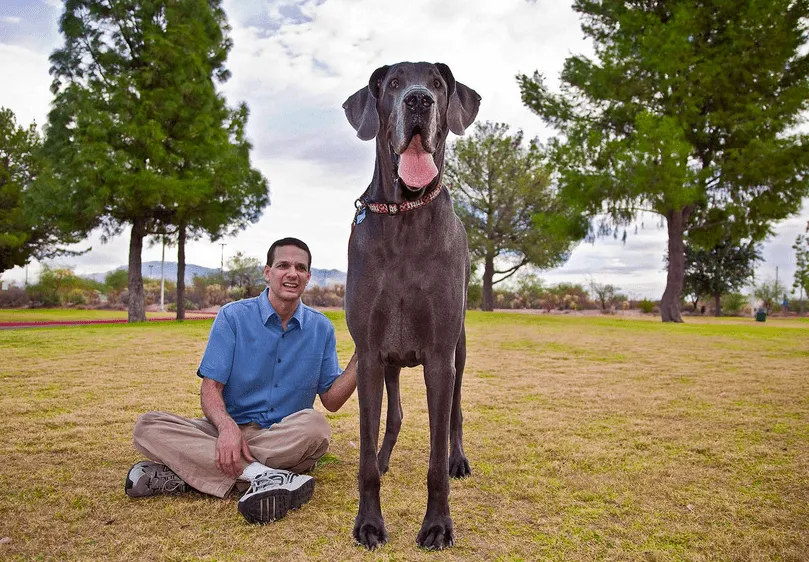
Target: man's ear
{"x": 360, "y": 107}
{"x": 464, "y": 102}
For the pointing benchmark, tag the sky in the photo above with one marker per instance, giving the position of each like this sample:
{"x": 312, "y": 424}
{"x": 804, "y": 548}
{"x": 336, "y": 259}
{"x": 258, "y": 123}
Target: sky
{"x": 295, "y": 62}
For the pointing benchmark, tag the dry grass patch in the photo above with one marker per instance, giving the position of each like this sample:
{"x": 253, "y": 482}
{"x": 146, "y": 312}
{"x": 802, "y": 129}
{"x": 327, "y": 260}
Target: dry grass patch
{"x": 589, "y": 438}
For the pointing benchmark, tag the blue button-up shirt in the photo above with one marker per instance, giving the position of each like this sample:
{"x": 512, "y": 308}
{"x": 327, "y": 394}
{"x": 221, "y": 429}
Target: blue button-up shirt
{"x": 269, "y": 373}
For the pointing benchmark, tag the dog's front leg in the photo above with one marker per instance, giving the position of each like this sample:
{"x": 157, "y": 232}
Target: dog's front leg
{"x": 369, "y": 527}
{"x": 436, "y": 530}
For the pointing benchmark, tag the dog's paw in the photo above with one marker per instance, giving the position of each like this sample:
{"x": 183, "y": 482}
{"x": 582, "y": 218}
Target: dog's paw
{"x": 384, "y": 461}
{"x": 369, "y": 534}
{"x": 459, "y": 467}
{"x": 436, "y": 534}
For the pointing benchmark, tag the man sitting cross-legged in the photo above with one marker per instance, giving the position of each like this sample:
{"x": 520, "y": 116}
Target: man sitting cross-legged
{"x": 267, "y": 357}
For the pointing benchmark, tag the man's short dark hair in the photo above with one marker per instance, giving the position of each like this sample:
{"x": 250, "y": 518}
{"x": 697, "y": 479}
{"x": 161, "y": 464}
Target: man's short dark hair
{"x": 289, "y": 242}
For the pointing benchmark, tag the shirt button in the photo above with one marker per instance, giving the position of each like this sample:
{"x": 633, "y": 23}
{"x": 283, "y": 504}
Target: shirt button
{"x": 272, "y": 409}
{"x": 276, "y": 385}
{"x": 282, "y": 336}
{"x": 279, "y": 359}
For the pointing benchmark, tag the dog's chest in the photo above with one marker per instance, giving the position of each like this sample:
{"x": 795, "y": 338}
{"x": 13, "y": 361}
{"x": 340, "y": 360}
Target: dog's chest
{"x": 405, "y": 286}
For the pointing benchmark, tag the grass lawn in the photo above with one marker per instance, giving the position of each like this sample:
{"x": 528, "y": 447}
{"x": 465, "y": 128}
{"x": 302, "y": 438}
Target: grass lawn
{"x": 590, "y": 438}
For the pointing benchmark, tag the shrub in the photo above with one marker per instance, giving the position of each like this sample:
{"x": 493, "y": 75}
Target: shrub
{"x": 474, "y": 295}
{"x": 646, "y": 306}
{"x": 14, "y": 297}
{"x": 733, "y": 304}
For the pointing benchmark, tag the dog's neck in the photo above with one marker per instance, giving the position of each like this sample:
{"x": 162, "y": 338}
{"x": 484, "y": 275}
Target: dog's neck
{"x": 386, "y": 189}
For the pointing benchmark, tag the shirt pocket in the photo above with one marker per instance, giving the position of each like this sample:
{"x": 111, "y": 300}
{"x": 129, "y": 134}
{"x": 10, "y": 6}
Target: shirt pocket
{"x": 308, "y": 373}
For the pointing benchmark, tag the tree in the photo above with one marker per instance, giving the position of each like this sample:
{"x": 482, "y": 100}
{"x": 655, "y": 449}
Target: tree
{"x": 604, "y": 294}
{"x": 243, "y": 272}
{"x": 137, "y": 130}
{"x": 688, "y": 111}
{"x": 503, "y": 196}
{"x": 23, "y": 235}
{"x": 769, "y": 293}
{"x": 725, "y": 268}
{"x": 801, "y": 282}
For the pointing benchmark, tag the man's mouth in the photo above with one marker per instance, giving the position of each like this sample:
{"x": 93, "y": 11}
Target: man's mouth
{"x": 289, "y": 285}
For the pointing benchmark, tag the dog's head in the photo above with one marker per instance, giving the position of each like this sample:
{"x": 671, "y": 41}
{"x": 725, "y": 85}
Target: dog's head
{"x": 411, "y": 107}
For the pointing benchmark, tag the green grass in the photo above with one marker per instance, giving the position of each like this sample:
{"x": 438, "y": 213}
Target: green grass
{"x": 590, "y": 438}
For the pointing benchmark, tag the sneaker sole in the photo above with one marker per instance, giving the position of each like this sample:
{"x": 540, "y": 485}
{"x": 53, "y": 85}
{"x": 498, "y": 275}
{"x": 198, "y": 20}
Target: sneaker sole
{"x": 271, "y": 505}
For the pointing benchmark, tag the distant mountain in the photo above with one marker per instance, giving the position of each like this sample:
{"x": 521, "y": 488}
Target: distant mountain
{"x": 324, "y": 277}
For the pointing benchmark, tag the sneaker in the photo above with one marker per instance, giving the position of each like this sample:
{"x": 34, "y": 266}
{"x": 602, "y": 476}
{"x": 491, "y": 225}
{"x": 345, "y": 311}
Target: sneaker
{"x": 274, "y": 493}
{"x": 148, "y": 478}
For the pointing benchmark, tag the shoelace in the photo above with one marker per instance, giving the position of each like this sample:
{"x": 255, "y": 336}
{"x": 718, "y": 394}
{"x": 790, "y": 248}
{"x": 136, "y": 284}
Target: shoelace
{"x": 270, "y": 480}
{"x": 166, "y": 481}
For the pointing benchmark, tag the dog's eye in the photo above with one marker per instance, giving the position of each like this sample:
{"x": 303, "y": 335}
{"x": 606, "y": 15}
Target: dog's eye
{"x": 437, "y": 83}
{"x": 394, "y": 83}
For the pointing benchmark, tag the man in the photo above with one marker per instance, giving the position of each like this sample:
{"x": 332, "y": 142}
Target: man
{"x": 266, "y": 359}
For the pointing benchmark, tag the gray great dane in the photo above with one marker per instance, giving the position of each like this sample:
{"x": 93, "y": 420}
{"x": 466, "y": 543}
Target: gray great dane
{"x": 408, "y": 270}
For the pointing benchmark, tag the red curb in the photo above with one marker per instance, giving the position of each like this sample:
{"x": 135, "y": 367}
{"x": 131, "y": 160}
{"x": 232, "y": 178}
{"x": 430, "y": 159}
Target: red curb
{"x": 45, "y": 323}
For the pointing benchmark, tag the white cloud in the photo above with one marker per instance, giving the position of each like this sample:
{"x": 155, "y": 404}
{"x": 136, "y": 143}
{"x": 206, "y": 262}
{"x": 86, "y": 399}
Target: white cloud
{"x": 11, "y": 19}
{"x": 295, "y": 62}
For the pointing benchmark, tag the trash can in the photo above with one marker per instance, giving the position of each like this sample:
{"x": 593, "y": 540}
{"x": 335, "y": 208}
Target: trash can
{"x": 761, "y": 315}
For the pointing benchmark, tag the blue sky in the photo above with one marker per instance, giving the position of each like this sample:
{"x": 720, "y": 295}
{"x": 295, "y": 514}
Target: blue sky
{"x": 295, "y": 62}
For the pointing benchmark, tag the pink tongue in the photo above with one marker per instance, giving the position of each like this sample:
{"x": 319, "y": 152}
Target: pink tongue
{"x": 417, "y": 167}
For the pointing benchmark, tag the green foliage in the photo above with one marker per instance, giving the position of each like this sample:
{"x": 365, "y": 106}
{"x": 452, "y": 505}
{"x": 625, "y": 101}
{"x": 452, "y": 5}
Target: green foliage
{"x": 734, "y": 304}
{"x": 722, "y": 269}
{"x": 61, "y": 287}
{"x": 245, "y": 272}
{"x": 771, "y": 294}
{"x": 502, "y": 194}
{"x": 117, "y": 280}
{"x": 138, "y": 132}
{"x": 687, "y": 110}
{"x": 646, "y": 306}
{"x": 474, "y": 294}
{"x": 23, "y": 234}
{"x": 801, "y": 247}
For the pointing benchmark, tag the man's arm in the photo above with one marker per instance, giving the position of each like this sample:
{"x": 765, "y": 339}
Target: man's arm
{"x": 230, "y": 444}
{"x": 342, "y": 388}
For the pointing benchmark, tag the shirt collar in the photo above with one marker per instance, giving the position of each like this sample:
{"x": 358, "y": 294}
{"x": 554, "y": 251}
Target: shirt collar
{"x": 267, "y": 310}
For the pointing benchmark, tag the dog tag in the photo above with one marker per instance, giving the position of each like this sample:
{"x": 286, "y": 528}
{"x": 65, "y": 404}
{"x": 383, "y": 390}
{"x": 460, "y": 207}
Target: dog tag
{"x": 360, "y": 217}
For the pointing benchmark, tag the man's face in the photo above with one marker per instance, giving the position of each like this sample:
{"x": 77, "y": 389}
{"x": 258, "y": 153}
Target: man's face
{"x": 289, "y": 273}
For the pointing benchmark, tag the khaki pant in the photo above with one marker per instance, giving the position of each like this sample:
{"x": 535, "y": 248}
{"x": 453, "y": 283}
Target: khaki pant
{"x": 188, "y": 446}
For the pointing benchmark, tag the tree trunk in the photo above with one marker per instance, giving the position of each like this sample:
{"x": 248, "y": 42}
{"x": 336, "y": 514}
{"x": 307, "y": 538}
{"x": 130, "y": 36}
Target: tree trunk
{"x": 717, "y": 304}
{"x": 488, "y": 276}
{"x": 181, "y": 272}
{"x": 672, "y": 296}
{"x": 137, "y": 305}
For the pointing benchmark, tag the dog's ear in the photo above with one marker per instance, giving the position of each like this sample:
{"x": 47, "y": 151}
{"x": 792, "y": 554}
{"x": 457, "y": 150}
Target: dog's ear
{"x": 464, "y": 102}
{"x": 360, "y": 107}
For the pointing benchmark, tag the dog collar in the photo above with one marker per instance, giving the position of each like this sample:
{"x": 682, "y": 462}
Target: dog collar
{"x": 391, "y": 208}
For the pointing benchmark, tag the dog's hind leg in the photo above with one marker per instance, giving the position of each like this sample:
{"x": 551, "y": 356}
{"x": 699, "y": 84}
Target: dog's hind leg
{"x": 458, "y": 463}
{"x": 393, "y": 422}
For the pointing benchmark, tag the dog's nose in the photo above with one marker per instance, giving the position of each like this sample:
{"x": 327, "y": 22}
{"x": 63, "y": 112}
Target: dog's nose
{"x": 419, "y": 100}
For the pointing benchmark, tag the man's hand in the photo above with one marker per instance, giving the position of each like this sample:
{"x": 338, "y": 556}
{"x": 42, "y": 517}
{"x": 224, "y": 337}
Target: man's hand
{"x": 230, "y": 446}
{"x": 342, "y": 388}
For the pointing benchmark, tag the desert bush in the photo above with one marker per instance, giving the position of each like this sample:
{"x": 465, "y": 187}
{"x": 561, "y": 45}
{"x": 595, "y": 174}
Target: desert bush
{"x": 215, "y": 295}
{"x": 646, "y": 306}
{"x": 734, "y": 304}
{"x": 14, "y": 297}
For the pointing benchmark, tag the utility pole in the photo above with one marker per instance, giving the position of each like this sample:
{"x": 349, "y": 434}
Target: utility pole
{"x": 222, "y": 262}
